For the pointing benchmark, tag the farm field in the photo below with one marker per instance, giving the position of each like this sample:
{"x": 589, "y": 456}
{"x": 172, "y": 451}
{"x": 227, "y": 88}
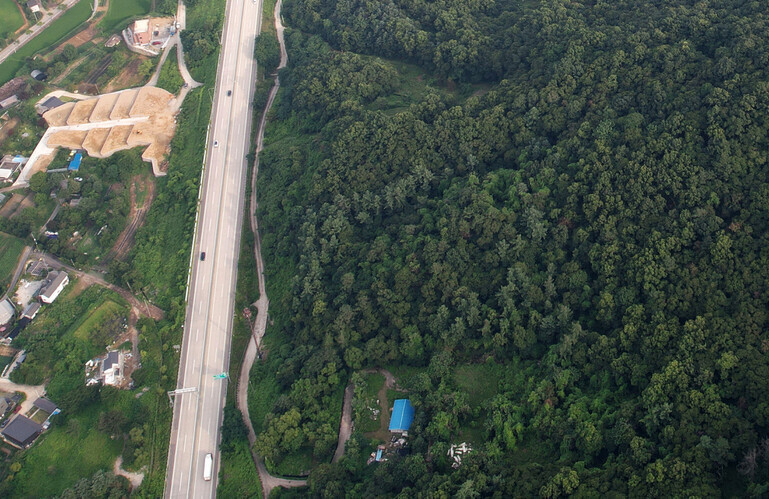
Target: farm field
{"x": 52, "y": 35}
{"x": 11, "y": 16}
{"x": 10, "y": 249}
{"x": 120, "y": 12}
{"x": 95, "y": 319}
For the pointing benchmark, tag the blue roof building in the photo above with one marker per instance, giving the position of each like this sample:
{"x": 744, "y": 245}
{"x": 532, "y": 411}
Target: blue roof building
{"x": 74, "y": 165}
{"x": 402, "y": 416}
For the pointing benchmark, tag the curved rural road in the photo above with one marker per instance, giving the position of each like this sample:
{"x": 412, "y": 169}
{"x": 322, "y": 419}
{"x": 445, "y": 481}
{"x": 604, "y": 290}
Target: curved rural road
{"x": 269, "y": 482}
{"x": 134, "y": 478}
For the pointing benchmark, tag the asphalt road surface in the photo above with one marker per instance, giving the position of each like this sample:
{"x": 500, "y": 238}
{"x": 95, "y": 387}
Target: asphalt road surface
{"x": 197, "y": 419}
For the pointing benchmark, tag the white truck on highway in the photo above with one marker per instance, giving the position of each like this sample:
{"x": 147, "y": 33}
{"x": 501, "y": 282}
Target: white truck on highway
{"x": 208, "y": 467}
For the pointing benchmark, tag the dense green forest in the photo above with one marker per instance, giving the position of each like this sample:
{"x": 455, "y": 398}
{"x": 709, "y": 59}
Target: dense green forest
{"x": 579, "y": 197}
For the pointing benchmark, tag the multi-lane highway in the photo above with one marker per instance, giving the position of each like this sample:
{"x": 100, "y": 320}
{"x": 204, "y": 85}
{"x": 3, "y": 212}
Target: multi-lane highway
{"x": 206, "y": 347}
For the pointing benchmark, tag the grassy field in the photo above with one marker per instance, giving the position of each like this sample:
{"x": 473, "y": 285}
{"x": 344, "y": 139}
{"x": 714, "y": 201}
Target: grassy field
{"x": 63, "y": 455}
{"x": 479, "y": 381}
{"x": 374, "y": 383}
{"x": 4, "y": 361}
{"x": 49, "y": 38}
{"x": 94, "y": 319}
{"x": 120, "y": 12}
{"x": 11, "y": 16}
{"x": 10, "y": 249}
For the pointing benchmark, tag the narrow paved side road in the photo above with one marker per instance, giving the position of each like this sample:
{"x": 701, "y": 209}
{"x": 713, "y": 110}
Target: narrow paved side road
{"x": 269, "y": 482}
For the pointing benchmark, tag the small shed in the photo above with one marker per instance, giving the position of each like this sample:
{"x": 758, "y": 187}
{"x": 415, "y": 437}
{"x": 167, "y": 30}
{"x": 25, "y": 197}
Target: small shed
{"x": 21, "y": 432}
{"x": 45, "y": 405}
{"x": 9, "y": 102}
{"x": 74, "y": 165}
{"x": 6, "y": 312}
{"x": 402, "y": 416}
{"x": 38, "y": 75}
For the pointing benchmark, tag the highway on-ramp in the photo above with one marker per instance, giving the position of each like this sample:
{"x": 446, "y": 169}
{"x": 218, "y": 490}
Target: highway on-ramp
{"x": 205, "y": 353}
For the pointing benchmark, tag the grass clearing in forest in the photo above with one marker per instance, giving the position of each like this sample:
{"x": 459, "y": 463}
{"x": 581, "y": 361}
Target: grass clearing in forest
{"x": 12, "y": 18}
{"x": 49, "y": 38}
{"x": 415, "y": 84}
{"x": 295, "y": 464}
{"x": 10, "y": 250}
{"x": 479, "y": 381}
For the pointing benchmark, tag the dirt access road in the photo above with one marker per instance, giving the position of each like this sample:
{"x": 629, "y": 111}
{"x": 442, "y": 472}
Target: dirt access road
{"x": 269, "y": 482}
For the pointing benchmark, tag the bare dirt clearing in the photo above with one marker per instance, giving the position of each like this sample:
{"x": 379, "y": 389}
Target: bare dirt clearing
{"x": 148, "y": 110}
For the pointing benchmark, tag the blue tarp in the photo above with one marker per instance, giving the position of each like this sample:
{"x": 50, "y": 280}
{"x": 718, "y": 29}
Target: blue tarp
{"x": 403, "y": 415}
{"x": 74, "y": 165}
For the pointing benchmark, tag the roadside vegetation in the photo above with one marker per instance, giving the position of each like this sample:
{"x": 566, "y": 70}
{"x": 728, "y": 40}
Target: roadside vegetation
{"x": 170, "y": 78}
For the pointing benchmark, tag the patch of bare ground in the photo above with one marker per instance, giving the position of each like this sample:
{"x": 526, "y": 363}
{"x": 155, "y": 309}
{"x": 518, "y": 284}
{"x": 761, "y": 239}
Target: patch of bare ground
{"x": 8, "y": 128}
{"x": 153, "y": 107}
{"x": 79, "y": 287}
{"x": 27, "y": 202}
{"x": 95, "y": 140}
{"x": 128, "y": 77}
{"x": 81, "y": 112}
{"x": 59, "y": 115}
{"x": 10, "y": 207}
{"x": 72, "y": 139}
{"x": 103, "y": 108}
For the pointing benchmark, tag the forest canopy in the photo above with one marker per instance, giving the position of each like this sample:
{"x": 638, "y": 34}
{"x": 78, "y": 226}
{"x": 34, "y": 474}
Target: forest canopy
{"x": 591, "y": 216}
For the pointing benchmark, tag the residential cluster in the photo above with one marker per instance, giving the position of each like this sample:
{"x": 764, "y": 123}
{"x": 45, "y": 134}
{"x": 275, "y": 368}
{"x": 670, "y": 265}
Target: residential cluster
{"x": 30, "y": 296}
{"x": 23, "y": 429}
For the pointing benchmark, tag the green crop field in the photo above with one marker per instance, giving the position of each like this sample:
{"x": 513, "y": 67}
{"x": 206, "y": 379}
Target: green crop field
{"x": 50, "y": 37}
{"x": 95, "y": 318}
{"x": 11, "y": 16}
{"x": 10, "y": 249}
{"x": 120, "y": 12}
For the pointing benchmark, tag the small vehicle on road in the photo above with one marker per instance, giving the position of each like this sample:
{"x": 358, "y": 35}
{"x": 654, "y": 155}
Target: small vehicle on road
{"x": 202, "y": 256}
{"x": 216, "y": 143}
{"x": 229, "y": 92}
{"x": 208, "y": 467}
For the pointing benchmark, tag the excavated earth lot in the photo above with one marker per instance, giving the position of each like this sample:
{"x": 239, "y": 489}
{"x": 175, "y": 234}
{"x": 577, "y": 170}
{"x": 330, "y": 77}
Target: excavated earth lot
{"x": 121, "y": 120}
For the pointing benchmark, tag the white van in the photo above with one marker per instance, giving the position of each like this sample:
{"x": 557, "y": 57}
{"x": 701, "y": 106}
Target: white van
{"x": 208, "y": 467}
